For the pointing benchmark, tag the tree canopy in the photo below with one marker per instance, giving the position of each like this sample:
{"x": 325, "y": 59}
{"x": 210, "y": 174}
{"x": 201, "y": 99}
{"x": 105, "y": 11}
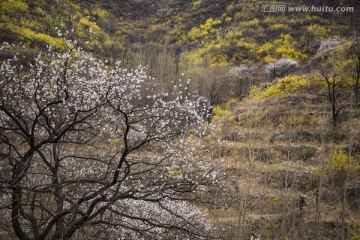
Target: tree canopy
{"x": 93, "y": 150}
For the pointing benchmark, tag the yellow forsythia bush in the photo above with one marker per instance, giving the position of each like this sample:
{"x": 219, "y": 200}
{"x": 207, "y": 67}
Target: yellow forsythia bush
{"x": 284, "y": 85}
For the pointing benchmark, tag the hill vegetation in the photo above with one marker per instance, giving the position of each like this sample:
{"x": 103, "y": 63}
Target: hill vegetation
{"x": 284, "y": 90}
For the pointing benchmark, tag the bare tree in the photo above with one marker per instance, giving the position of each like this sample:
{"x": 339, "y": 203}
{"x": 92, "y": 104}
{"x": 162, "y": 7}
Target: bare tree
{"x": 330, "y": 83}
{"x": 212, "y": 84}
{"x": 354, "y": 56}
{"x": 241, "y": 79}
{"x": 92, "y": 152}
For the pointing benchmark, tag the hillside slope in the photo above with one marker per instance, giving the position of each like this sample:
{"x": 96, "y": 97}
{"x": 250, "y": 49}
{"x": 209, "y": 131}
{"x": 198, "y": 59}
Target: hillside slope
{"x": 289, "y": 177}
{"x": 224, "y": 26}
{"x": 292, "y": 172}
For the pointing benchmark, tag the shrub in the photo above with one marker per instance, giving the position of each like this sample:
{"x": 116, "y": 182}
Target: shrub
{"x": 338, "y": 160}
{"x": 284, "y": 85}
{"x": 279, "y": 26}
{"x": 283, "y": 47}
{"x": 319, "y": 31}
{"x": 220, "y": 113}
{"x": 332, "y": 43}
{"x": 281, "y": 67}
{"x": 302, "y": 120}
{"x": 339, "y": 165}
{"x": 26, "y": 34}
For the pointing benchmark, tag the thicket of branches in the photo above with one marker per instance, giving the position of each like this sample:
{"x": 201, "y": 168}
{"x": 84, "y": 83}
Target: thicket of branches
{"x": 93, "y": 151}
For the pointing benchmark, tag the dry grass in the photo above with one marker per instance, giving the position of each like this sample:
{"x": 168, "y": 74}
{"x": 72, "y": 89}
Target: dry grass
{"x": 270, "y": 167}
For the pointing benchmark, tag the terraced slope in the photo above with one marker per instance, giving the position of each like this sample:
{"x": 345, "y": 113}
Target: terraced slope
{"x": 288, "y": 171}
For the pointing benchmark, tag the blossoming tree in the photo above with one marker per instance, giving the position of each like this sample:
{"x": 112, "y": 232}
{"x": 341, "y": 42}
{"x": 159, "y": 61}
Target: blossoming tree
{"x": 281, "y": 68}
{"x": 89, "y": 151}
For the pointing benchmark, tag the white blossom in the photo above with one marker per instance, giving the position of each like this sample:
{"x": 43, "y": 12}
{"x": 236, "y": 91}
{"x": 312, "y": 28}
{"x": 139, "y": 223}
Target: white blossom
{"x": 88, "y": 141}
